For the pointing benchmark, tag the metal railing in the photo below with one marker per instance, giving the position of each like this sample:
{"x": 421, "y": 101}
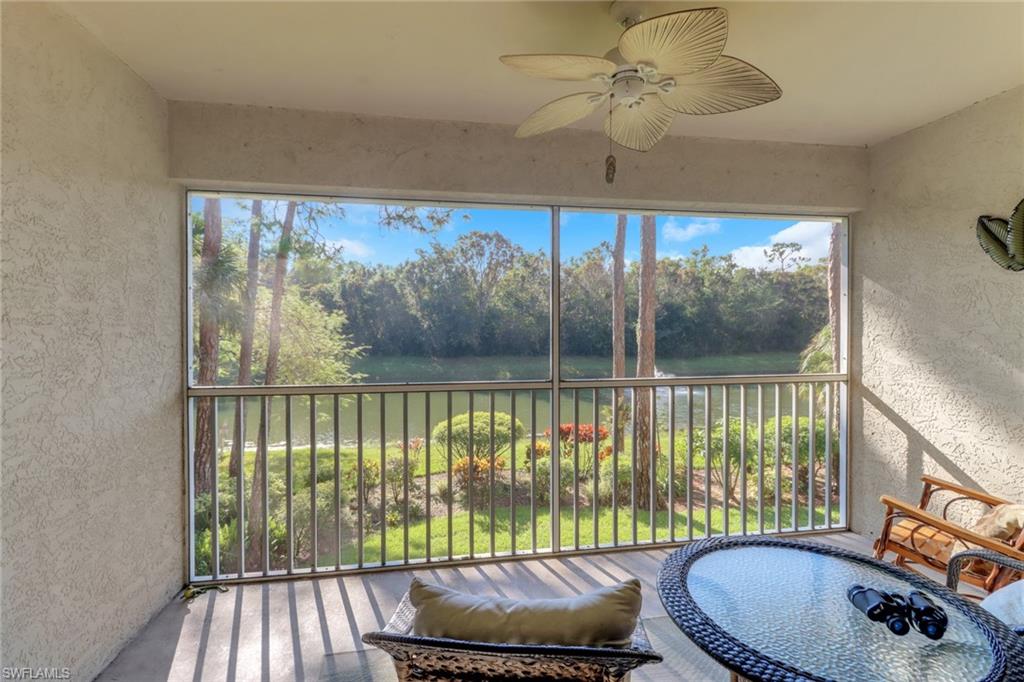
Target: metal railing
{"x": 320, "y": 479}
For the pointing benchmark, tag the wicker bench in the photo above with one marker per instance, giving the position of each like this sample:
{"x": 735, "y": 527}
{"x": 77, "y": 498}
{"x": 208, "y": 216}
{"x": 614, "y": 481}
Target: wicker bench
{"x": 434, "y": 658}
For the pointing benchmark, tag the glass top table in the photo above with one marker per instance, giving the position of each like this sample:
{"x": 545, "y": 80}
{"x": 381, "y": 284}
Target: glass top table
{"x": 773, "y": 609}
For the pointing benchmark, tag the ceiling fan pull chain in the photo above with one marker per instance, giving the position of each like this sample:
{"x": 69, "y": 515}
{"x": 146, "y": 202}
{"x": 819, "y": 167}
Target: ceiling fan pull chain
{"x": 609, "y": 162}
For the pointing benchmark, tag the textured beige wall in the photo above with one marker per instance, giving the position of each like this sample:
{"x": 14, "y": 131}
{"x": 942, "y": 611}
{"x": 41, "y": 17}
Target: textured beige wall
{"x": 91, "y": 290}
{"x": 937, "y": 327}
{"x": 220, "y": 144}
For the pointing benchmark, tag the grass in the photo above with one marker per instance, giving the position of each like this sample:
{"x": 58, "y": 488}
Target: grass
{"x": 460, "y": 545}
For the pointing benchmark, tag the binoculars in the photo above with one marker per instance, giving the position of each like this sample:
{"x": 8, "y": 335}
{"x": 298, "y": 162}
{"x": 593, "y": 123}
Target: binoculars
{"x": 900, "y": 613}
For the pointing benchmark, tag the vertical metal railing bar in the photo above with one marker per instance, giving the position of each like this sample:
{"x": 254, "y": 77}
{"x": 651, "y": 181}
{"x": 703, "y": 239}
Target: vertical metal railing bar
{"x": 708, "y": 407}
{"x": 596, "y": 469}
{"x": 844, "y": 453}
{"x": 512, "y": 474}
{"x": 795, "y": 456}
{"x": 689, "y": 462}
{"x": 191, "y": 406}
{"x": 672, "y": 463}
{"x": 288, "y": 483}
{"x": 405, "y": 477}
{"x": 828, "y": 455}
{"x": 743, "y": 459}
{"x": 265, "y": 472}
{"x": 214, "y": 491}
{"x": 360, "y": 483}
{"x": 533, "y": 471}
{"x": 471, "y": 476}
{"x": 811, "y": 454}
{"x": 336, "y": 416}
{"x": 451, "y": 492}
{"x": 616, "y": 400}
{"x": 427, "y": 465}
{"x": 312, "y": 485}
{"x": 555, "y": 373}
{"x": 240, "y": 484}
{"x": 632, "y": 467}
{"x": 778, "y": 457}
{"x": 652, "y": 456}
{"x": 760, "y": 459}
{"x": 490, "y": 469}
{"x": 575, "y": 467}
{"x": 726, "y": 491}
{"x": 383, "y": 481}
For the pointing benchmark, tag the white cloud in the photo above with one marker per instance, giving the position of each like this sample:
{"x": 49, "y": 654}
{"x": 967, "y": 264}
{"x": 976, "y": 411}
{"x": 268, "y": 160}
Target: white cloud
{"x": 674, "y": 232}
{"x": 811, "y": 235}
{"x": 353, "y": 248}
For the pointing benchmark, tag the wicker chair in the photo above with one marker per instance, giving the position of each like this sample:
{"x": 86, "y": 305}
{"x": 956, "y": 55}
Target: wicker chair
{"x": 917, "y": 536}
{"x": 436, "y": 659}
{"x": 957, "y": 563}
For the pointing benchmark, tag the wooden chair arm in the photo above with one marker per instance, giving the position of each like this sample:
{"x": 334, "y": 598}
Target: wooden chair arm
{"x": 959, "y": 532}
{"x": 940, "y": 484}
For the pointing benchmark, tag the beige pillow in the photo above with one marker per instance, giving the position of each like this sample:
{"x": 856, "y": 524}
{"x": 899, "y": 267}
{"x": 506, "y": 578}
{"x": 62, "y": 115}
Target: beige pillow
{"x": 1002, "y": 522}
{"x": 605, "y": 617}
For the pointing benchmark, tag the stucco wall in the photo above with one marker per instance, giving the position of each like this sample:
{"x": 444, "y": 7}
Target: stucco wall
{"x": 91, "y": 289}
{"x": 938, "y": 328}
{"x": 219, "y": 144}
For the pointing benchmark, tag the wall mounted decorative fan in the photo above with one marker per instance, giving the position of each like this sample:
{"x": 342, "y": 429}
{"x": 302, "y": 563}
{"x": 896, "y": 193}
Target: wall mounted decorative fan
{"x": 662, "y": 66}
{"x": 1003, "y": 240}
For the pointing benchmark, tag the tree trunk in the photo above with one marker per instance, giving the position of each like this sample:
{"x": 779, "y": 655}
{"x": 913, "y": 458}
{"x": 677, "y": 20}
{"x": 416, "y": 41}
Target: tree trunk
{"x": 645, "y": 354}
{"x": 834, "y": 293}
{"x": 619, "y": 322}
{"x": 835, "y": 296}
{"x": 277, "y": 296}
{"x": 209, "y": 333}
{"x": 252, "y": 276}
{"x": 255, "y": 506}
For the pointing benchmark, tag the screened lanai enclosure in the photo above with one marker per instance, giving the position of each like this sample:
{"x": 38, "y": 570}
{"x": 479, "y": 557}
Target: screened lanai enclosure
{"x": 371, "y": 383}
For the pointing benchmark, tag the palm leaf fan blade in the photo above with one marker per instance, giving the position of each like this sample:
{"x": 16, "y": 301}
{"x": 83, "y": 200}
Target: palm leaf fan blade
{"x": 565, "y": 67}
{"x": 729, "y": 84}
{"x": 993, "y": 235}
{"x": 639, "y": 125}
{"x": 677, "y": 43}
{"x": 559, "y": 113}
{"x": 1015, "y": 233}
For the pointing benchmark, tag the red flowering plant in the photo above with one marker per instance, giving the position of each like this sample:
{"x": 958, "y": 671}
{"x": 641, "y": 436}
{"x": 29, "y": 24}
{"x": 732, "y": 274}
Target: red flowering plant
{"x": 569, "y": 433}
{"x": 585, "y": 434}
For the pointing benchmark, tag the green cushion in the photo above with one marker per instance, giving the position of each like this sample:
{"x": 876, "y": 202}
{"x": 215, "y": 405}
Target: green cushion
{"x": 605, "y": 617}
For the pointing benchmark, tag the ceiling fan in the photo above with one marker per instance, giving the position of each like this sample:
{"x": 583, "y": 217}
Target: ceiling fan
{"x": 662, "y": 66}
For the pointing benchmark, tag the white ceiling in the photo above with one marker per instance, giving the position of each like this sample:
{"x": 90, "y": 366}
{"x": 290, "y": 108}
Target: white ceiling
{"x": 851, "y": 73}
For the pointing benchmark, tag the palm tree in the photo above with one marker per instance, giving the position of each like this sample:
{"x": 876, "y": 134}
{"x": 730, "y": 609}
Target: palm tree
{"x": 255, "y": 506}
{"x": 252, "y": 274}
{"x": 645, "y": 350}
{"x": 619, "y": 319}
{"x": 208, "y": 285}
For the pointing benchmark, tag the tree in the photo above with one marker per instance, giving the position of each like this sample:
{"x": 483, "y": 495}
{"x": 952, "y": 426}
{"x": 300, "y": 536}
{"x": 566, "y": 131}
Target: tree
{"x": 252, "y": 274}
{"x": 834, "y": 292}
{"x": 786, "y": 255}
{"x": 619, "y": 319}
{"x": 645, "y": 334}
{"x": 255, "y": 511}
{"x": 209, "y": 338}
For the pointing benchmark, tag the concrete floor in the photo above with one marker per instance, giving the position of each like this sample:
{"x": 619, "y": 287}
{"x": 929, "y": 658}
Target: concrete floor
{"x": 283, "y": 630}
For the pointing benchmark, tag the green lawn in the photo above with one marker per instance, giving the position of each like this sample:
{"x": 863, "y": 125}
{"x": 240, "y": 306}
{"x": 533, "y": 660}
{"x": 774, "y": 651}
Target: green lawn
{"x": 481, "y": 525}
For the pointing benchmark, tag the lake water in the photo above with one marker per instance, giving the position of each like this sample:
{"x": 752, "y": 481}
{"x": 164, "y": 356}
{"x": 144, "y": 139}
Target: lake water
{"x": 416, "y": 405}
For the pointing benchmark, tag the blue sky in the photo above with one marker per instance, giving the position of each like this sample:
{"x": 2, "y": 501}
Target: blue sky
{"x": 362, "y": 239}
